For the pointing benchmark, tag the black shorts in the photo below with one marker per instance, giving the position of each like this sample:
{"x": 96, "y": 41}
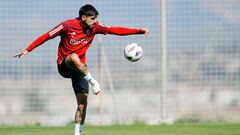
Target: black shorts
{"x": 79, "y": 84}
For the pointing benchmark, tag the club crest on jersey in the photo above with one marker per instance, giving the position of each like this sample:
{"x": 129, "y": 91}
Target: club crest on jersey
{"x": 73, "y": 34}
{"x": 88, "y": 32}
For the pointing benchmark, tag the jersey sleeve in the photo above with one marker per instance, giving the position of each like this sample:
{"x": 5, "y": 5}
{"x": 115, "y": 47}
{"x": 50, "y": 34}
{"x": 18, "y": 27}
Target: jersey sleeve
{"x": 122, "y": 31}
{"x": 46, "y": 36}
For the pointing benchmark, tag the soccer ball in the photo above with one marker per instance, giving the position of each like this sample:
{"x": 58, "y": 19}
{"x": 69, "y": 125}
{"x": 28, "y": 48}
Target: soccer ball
{"x": 133, "y": 52}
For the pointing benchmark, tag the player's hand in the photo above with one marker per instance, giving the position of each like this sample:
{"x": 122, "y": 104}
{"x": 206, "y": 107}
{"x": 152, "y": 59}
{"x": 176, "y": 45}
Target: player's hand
{"x": 21, "y": 54}
{"x": 146, "y": 31}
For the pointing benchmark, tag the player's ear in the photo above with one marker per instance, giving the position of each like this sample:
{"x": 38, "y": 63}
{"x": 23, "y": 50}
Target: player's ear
{"x": 84, "y": 17}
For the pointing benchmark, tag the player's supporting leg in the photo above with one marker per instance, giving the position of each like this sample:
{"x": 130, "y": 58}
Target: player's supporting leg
{"x": 72, "y": 61}
{"x": 80, "y": 113}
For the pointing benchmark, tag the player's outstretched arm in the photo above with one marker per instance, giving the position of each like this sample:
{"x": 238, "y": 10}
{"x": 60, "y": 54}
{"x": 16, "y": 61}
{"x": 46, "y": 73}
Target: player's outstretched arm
{"x": 122, "y": 31}
{"x": 40, "y": 40}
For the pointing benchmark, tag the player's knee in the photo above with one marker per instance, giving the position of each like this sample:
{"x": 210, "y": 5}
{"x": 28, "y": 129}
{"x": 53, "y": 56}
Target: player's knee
{"x": 74, "y": 57}
{"x": 81, "y": 107}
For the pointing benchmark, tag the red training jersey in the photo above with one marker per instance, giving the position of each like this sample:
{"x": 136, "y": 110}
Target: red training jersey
{"x": 77, "y": 39}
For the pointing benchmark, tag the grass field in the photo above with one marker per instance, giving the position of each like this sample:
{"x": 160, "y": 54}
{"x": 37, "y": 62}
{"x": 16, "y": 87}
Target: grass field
{"x": 176, "y": 129}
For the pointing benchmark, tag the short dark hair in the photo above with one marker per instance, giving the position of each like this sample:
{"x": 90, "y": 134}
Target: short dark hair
{"x": 88, "y": 10}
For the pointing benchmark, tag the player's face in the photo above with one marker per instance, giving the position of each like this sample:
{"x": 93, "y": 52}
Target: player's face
{"x": 90, "y": 21}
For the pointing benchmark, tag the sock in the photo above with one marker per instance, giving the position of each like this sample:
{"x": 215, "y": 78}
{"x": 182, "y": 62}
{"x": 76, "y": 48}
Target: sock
{"x": 81, "y": 128}
{"x": 77, "y": 129}
{"x": 88, "y": 77}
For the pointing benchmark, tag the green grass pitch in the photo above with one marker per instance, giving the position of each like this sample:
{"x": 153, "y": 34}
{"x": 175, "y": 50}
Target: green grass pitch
{"x": 176, "y": 129}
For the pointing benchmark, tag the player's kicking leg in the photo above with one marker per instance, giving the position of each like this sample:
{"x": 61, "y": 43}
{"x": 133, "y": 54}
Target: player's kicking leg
{"x": 72, "y": 61}
{"x": 80, "y": 113}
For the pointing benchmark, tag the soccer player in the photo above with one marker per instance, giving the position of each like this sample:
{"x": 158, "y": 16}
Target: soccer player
{"x": 76, "y": 37}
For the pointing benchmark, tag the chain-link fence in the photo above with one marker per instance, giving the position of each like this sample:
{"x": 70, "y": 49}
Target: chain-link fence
{"x": 203, "y": 63}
